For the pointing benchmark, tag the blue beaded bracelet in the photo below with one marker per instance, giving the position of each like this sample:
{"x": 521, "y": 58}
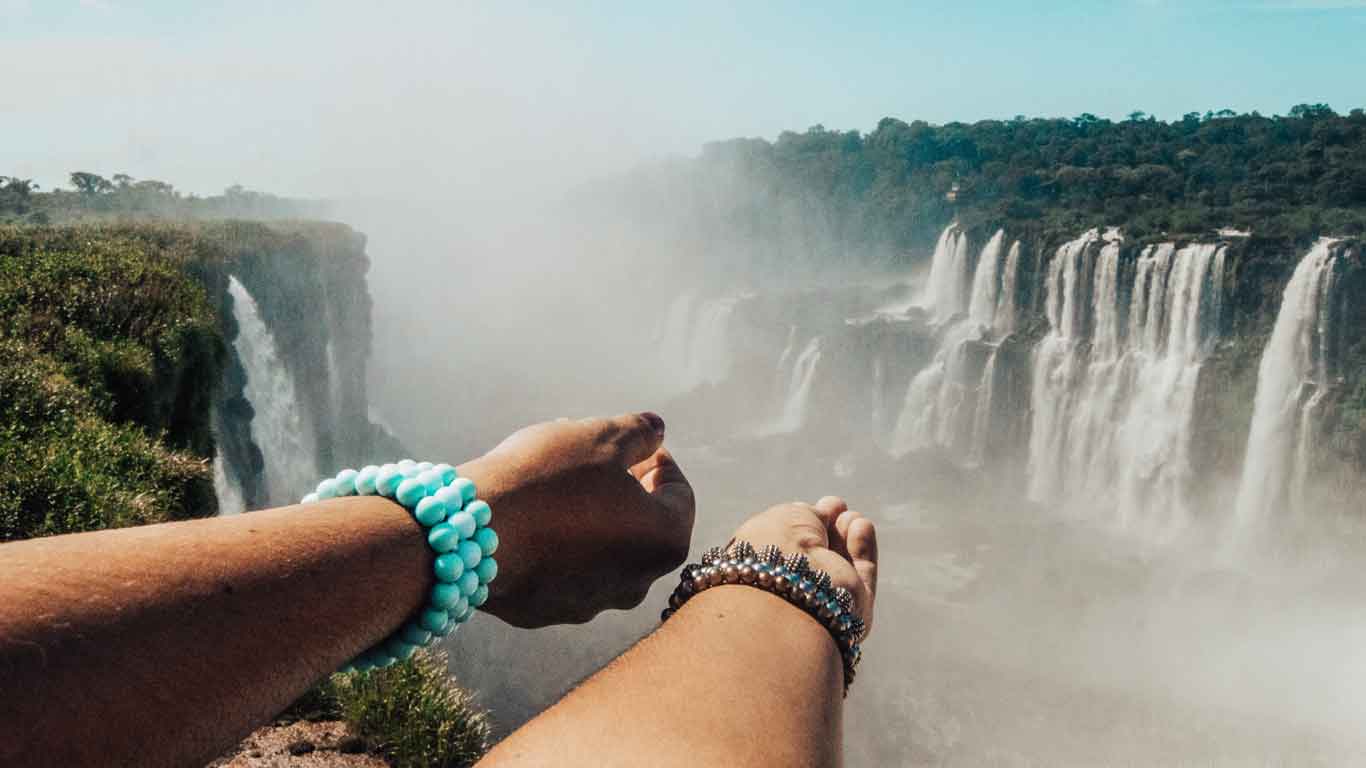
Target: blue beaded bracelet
{"x": 457, "y": 526}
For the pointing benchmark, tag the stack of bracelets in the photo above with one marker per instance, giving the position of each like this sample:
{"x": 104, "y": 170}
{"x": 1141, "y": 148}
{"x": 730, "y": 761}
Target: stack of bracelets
{"x": 791, "y": 578}
{"x": 457, "y": 530}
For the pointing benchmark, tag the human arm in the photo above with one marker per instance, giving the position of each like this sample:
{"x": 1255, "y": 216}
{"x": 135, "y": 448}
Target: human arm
{"x": 163, "y": 645}
{"x": 736, "y": 677}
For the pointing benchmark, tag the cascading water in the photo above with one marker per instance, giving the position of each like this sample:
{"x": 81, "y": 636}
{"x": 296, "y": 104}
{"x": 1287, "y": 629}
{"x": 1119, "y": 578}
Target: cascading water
{"x": 694, "y": 341}
{"x": 229, "y": 495}
{"x": 801, "y": 373}
{"x": 1113, "y": 404}
{"x": 276, "y": 428}
{"x": 944, "y": 400}
{"x": 1292, "y": 380}
{"x": 1005, "y": 317}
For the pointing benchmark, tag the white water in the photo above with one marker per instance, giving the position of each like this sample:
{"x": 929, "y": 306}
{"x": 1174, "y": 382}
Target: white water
{"x": 694, "y": 341}
{"x": 946, "y": 400}
{"x": 800, "y": 374}
{"x": 229, "y": 495}
{"x": 1113, "y": 418}
{"x": 290, "y": 464}
{"x": 1005, "y": 318}
{"x": 1291, "y": 381}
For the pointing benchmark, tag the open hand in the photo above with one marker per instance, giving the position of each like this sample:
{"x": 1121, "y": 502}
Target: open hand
{"x": 589, "y": 513}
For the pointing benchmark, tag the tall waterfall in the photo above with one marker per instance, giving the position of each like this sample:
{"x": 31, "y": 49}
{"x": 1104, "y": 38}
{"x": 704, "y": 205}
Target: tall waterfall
{"x": 276, "y": 428}
{"x": 945, "y": 399}
{"x": 694, "y": 340}
{"x": 1113, "y": 402}
{"x": 800, "y": 373}
{"x": 1292, "y": 380}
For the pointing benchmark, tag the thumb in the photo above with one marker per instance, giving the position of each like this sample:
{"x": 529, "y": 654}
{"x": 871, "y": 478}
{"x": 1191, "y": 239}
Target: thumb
{"x": 635, "y": 437}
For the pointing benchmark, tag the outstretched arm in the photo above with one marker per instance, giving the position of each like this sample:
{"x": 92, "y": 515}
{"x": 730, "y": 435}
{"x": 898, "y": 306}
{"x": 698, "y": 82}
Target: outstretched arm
{"x": 737, "y": 677}
{"x": 164, "y": 645}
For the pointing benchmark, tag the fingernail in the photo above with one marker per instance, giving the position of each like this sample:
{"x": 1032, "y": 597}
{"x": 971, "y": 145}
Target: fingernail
{"x": 656, "y": 421}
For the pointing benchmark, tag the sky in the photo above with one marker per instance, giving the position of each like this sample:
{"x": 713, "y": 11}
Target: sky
{"x": 488, "y": 103}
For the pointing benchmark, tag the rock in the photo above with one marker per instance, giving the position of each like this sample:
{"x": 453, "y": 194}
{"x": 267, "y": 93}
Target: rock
{"x": 300, "y": 747}
{"x": 351, "y": 745}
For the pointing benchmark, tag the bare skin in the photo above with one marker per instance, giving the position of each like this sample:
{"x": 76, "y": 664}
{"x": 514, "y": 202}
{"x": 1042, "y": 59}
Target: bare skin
{"x": 164, "y": 645}
{"x": 737, "y": 677}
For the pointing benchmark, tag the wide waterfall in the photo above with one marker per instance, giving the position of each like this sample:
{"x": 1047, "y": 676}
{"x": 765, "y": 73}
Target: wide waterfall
{"x": 276, "y": 428}
{"x": 1113, "y": 401}
{"x": 1292, "y": 380}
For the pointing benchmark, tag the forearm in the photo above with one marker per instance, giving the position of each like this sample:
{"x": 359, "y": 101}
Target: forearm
{"x": 736, "y": 677}
{"x": 113, "y": 645}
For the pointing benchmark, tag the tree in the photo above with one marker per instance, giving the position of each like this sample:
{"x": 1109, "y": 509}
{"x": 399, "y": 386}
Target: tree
{"x": 123, "y": 180}
{"x": 1312, "y": 111}
{"x": 90, "y": 183}
{"x": 1137, "y": 116}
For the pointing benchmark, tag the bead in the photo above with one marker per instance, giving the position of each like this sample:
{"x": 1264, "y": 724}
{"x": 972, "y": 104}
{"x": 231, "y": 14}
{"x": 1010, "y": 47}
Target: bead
{"x": 797, "y": 563}
{"x": 430, "y": 511}
{"x": 386, "y": 482}
{"x": 327, "y": 489}
{"x": 468, "y": 583}
{"x": 463, "y": 522}
{"x": 715, "y": 577}
{"x": 742, "y": 550}
{"x": 450, "y": 497}
{"x": 764, "y": 578}
{"x": 480, "y": 596}
{"x": 446, "y": 472}
{"x": 465, "y": 614}
{"x": 345, "y": 668}
{"x": 443, "y": 538}
{"x": 450, "y": 624}
{"x": 346, "y": 482}
{"x": 487, "y": 570}
{"x": 844, "y": 623}
{"x": 781, "y": 583}
{"x": 449, "y": 567}
{"x": 407, "y": 466}
{"x": 688, "y": 572}
{"x": 444, "y": 595}
{"x": 747, "y": 574}
{"x": 665, "y": 614}
{"x": 466, "y": 488}
{"x": 400, "y": 650}
{"x": 430, "y": 480}
{"x": 423, "y": 466}
{"x": 309, "y": 499}
{"x": 365, "y": 480}
{"x": 771, "y": 554}
{"x": 487, "y": 541}
{"x": 432, "y": 619}
{"x": 845, "y": 598}
{"x": 381, "y": 659}
{"x": 700, "y": 582}
{"x": 480, "y": 510}
{"x": 675, "y": 601}
{"x": 685, "y": 589}
{"x": 409, "y": 492}
{"x": 470, "y": 552}
{"x": 414, "y": 634}
{"x": 830, "y": 610}
{"x": 730, "y": 572}
{"x": 712, "y": 555}
{"x": 822, "y": 580}
{"x": 460, "y": 605}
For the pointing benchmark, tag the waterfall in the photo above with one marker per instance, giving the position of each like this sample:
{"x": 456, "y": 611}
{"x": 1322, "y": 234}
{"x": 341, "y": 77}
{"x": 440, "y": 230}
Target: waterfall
{"x": 694, "y": 341}
{"x": 1005, "y": 316}
{"x": 1114, "y": 402}
{"x": 944, "y": 399}
{"x": 985, "y": 288}
{"x": 947, "y": 289}
{"x": 290, "y": 460}
{"x": 800, "y": 375}
{"x": 229, "y": 495}
{"x": 1292, "y": 380}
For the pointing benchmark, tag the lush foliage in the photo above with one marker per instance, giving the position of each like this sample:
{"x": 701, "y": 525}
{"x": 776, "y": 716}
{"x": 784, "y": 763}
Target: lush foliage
{"x": 883, "y": 194}
{"x": 109, "y": 357}
{"x": 412, "y": 712}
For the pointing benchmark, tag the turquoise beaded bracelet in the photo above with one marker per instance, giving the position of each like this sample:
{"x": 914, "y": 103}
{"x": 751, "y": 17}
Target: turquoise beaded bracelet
{"x": 457, "y": 526}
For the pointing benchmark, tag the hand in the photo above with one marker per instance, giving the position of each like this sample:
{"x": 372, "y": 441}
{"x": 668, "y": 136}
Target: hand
{"x": 833, "y": 537}
{"x": 588, "y": 514}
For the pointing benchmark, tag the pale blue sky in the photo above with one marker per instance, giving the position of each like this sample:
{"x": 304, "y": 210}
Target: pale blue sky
{"x": 338, "y": 97}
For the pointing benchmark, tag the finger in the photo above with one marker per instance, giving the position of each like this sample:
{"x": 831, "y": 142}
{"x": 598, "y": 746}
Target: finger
{"x": 634, "y": 436}
{"x": 841, "y": 532}
{"x": 829, "y": 508}
{"x": 862, "y": 542}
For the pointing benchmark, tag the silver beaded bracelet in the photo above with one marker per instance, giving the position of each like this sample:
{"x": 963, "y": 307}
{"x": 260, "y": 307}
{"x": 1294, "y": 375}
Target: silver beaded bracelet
{"x": 790, "y": 577}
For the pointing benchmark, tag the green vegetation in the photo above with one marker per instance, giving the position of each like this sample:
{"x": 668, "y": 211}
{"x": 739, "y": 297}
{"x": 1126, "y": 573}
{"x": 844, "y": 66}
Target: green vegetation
{"x": 110, "y": 355}
{"x": 890, "y": 191}
{"x": 412, "y": 712}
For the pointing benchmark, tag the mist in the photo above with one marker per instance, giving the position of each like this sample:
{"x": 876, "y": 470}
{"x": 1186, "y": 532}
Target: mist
{"x": 539, "y": 250}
